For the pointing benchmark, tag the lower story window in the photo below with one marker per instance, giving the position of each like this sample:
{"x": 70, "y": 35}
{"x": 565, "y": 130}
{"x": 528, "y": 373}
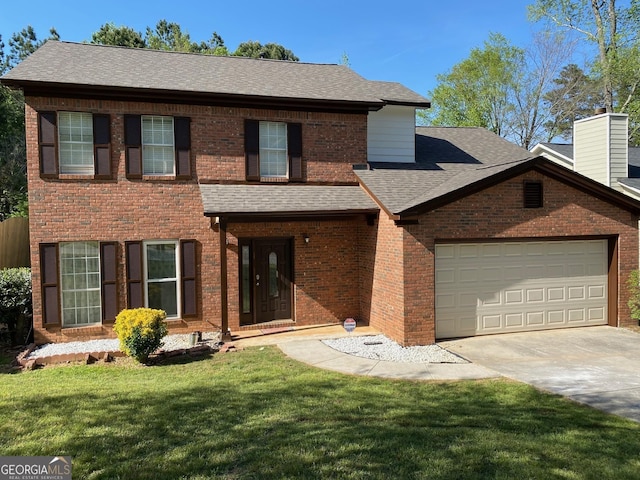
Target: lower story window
{"x": 80, "y": 280}
{"x": 161, "y": 275}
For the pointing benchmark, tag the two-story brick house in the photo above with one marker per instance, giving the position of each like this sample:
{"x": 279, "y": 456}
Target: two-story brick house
{"x": 239, "y": 193}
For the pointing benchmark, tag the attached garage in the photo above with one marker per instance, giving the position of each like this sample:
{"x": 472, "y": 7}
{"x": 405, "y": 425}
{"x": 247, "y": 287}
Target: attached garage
{"x": 486, "y": 288}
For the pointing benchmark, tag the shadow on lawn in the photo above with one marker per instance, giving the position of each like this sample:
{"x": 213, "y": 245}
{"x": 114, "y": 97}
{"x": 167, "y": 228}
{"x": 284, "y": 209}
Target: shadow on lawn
{"x": 243, "y": 418}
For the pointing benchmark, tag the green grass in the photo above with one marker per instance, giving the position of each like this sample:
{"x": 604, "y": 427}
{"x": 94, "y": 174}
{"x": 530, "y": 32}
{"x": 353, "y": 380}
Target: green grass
{"x": 257, "y": 414}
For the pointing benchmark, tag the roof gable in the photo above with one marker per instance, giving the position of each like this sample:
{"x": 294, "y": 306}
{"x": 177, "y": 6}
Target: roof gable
{"x": 454, "y": 162}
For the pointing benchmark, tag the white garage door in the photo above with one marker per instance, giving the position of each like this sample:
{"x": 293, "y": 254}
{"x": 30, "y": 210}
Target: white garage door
{"x": 484, "y": 288}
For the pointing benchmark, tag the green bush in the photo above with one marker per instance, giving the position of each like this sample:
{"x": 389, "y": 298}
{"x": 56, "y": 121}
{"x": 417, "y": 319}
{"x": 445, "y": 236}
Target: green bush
{"x": 15, "y": 304}
{"x": 634, "y": 294}
{"x": 140, "y": 331}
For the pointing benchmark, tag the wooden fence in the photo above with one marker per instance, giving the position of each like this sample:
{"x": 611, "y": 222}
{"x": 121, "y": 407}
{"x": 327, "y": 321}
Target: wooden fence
{"x": 14, "y": 243}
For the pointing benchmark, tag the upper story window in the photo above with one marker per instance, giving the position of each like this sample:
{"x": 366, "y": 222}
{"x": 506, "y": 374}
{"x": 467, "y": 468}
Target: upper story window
{"x": 157, "y": 146}
{"x": 273, "y": 151}
{"x": 75, "y": 137}
{"x": 74, "y": 143}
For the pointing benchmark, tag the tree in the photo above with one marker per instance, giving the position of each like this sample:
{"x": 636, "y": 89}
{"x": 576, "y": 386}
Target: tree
{"x": 122, "y": 36}
{"x": 479, "y": 90}
{"x": 613, "y": 30}
{"x": 274, "y": 51}
{"x": 169, "y": 36}
{"x": 575, "y": 96}
{"x": 13, "y": 161}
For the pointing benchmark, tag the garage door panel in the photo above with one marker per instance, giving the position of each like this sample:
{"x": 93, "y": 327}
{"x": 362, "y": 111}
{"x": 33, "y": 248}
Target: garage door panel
{"x": 519, "y": 286}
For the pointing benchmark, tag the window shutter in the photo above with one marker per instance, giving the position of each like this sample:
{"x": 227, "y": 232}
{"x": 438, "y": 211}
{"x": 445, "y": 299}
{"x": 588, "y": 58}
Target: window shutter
{"x": 135, "y": 285}
{"x": 188, "y": 270}
{"x": 49, "y": 284}
{"x": 133, "y": 145}
{"x": 109, "y": 273}
{"x": 532, "y": 193}
{"x": 252, "y": 149}
{"x": 47, "y": 140}
{"x": 102, "y": 145}
{"x": 182, "y": 132}
{"x": 294, "y": 149}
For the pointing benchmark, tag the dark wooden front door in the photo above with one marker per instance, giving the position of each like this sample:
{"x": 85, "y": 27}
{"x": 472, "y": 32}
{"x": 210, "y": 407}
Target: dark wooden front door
{"x": 265, "y": 280}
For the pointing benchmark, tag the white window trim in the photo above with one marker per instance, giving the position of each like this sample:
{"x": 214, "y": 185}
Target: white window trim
{"x": 177, "y": 279}
{"x": 63, "y": 291}
{"x": 173, "y": 144}
{"x": 65, "y": 168}
{"x": 267, "y": 149}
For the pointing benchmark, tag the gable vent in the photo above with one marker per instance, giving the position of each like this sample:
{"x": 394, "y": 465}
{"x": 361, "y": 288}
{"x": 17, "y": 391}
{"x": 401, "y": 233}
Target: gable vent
{"x": 532, "y": 194}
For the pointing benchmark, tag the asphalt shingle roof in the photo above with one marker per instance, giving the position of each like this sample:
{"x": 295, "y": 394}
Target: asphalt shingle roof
{"x": 566, "y": 149}
{"x": 220, "y": 200}
{"x": 75, "y": 64}
{"x": 447, "y": 159}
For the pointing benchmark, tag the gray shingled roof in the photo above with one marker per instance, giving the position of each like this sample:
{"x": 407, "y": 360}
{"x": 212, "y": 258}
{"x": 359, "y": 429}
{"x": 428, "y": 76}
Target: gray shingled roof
{"x": 221, "y": 200}
{"x": 87, "y": 65}
{"x": 447, "y": 159}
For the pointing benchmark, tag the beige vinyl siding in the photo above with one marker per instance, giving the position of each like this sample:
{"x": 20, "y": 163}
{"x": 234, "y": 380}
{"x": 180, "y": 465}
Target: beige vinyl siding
{"x": 591, "y": 148}
{"x": 600, "y": 148}
{"x": 391, "y": 135}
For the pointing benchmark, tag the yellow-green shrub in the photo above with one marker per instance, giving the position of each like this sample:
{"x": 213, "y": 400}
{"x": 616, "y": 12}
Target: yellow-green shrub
{"x": 140, "y": 331}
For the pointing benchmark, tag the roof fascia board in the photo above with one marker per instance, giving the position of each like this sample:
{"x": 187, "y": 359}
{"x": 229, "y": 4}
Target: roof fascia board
{"x": 201, "y": 98}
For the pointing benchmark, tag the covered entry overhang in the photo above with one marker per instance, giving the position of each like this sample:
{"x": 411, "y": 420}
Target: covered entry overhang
{"x": 250, "y": 203}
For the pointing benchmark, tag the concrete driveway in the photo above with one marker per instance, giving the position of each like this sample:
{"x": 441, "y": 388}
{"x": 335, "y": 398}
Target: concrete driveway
{"x": 598, "y": 366}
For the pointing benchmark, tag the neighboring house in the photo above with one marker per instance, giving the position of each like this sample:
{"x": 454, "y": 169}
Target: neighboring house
{"x": 239, "y": 194}
{"x": 601, "y": 148}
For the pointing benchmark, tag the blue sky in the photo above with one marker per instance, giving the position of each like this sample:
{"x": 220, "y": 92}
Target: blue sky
{"x": 408, "y": 41}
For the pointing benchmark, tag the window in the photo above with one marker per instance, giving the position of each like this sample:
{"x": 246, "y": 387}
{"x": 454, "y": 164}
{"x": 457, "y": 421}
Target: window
{"x": 75, "y": 140}
{"x": 273, "y": 149}
{"x": 80, "y": 282}
{"x": 161, "y": 276}
{"x": 74, "y": 143}
{"x": 532, "y": 193}
{"x": 157, "y": 145}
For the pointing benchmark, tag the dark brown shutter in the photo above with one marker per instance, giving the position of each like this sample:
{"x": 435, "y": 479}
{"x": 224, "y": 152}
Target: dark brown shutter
{"x": 109, "y": 274}
{"x": 189, "y": 278}
{"x": 49, "y": 284}
{"x": 47, "y": 140}
{"x": 135, "y": 284}
{"x": 102, "y": 145}
{"x": 294, "y": 149}
{"x": 532, "y": 193}
{"x": 133, "y": 145}
{"x": 182, "y": 131}
{"x": 252, "y": 149}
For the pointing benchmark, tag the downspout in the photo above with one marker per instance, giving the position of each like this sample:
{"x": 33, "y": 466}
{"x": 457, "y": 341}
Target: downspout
{"x": 224, "y": 308}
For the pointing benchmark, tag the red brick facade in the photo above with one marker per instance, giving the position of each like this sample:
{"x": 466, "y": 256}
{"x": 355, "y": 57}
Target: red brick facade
{"x": 78, "y": 208}
{"x": 381, "y": 273}
{"x": 492, "y": 214}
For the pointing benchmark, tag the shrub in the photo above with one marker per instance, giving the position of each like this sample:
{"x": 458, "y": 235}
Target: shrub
{"x": 140, "y": 331}
{"x": 15, "y": 304}
{"x": 634, "y": 294}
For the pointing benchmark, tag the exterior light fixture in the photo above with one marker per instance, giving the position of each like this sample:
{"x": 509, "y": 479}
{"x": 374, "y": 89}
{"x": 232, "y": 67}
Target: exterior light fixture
{"x": 306, "y": 237}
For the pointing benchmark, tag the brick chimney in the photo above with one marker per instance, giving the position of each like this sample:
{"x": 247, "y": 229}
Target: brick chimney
{"x": 601, "y": 147}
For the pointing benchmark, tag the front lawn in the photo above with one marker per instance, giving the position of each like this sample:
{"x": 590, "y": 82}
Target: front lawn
{"x": 257, "y": 414}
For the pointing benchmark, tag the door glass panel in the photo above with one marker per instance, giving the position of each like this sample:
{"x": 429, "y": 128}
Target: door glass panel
{"x": 273, "y": 275}
{"x": 246, "y": 280}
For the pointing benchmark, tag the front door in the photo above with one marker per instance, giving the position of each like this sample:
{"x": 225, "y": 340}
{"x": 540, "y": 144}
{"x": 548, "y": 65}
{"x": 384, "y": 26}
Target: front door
{"x": 265, "y": 280}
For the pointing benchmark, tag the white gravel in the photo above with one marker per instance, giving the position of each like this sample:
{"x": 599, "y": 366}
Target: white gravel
{"x": 379, "y": 347}
{"x": 171, "y": 342}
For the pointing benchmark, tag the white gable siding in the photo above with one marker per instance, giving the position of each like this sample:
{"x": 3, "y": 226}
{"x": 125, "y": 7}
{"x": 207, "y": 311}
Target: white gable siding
{"x": 600, "y": 148}
{"x": 391, "y": 135}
